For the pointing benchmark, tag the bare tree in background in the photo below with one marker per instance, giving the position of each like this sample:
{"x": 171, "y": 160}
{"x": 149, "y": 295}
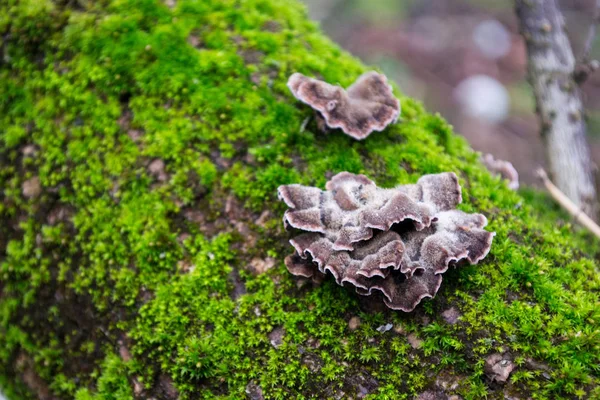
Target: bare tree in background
{"x": 554, "y": 75}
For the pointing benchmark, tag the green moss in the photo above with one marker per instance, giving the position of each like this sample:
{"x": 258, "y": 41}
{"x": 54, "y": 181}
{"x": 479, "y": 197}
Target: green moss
{"x": 113, "y": 383}
{"x": 110, "y": 257}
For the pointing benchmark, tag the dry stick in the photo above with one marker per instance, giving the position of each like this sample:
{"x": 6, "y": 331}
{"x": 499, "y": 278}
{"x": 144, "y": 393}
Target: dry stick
{"x": 568, "y": 205}
{"x": 558, "y": 99}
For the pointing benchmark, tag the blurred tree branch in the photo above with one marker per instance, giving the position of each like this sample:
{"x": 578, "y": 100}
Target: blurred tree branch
{"x": 586, "y": 65}
{"x": 589, "y": 41}
{"x": 552, "y": 70}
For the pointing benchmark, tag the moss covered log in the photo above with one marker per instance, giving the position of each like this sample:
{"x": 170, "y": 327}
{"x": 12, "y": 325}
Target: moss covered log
{"x": 141, "y": 243}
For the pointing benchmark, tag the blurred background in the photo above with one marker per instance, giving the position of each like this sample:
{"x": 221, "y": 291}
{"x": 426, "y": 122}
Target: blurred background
{"x": 466, "y": 60}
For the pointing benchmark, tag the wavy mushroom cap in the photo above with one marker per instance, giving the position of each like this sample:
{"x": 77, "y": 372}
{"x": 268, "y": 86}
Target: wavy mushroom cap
{"x": 357, "y": 233}
{"x": 367, "y": 105}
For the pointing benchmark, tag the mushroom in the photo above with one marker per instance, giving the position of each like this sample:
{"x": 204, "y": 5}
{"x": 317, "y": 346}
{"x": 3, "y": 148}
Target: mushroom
{"x": 352, "y": 206}
{"x": 367, "y": 105}
{"x": 503, "y": 168}
{"x": 396, "y": 241}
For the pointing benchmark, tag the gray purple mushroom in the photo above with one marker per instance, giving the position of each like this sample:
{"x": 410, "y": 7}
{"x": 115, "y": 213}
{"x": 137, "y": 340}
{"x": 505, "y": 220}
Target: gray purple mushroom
{"x": 367, "y": 105}
{"x": 397, "y": 241}
{"x": 502, "y": 168}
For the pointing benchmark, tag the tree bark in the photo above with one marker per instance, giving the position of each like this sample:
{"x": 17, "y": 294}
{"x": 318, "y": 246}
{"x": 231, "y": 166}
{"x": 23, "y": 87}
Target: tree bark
{"x": 558, "y": 98}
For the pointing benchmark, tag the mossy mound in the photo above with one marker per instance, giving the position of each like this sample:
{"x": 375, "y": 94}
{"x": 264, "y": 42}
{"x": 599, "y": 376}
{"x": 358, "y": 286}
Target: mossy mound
{"x": 141, "y": 243}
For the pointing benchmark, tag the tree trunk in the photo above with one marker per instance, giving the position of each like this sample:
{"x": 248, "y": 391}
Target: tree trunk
{"x": 558, "y": 99}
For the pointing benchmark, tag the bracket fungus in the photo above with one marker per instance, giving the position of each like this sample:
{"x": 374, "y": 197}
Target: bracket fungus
{"x": 367, "y": 105}
{"x": 396, "y": 241}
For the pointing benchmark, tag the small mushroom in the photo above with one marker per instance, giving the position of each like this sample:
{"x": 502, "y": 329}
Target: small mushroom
{"x": 367, "y": 105}
{"x": 503, "y": 168}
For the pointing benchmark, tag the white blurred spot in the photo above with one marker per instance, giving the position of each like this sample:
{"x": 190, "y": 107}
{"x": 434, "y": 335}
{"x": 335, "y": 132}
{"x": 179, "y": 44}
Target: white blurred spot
{"x": 385, "y": 328}
{"x": 492, "y": 39}
{"x": 483, "y": 97}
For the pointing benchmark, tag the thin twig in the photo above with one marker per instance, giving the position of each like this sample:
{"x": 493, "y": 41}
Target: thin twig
{"x": 589, "y": 41}
{"x": 304, "y": 123}
{"x": 568, "y": 205}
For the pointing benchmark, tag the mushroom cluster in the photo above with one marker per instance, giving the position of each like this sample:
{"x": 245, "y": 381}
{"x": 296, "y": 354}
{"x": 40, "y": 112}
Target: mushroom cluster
{"x": 367, "y": 105}
{"x": 397, "y": 241}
